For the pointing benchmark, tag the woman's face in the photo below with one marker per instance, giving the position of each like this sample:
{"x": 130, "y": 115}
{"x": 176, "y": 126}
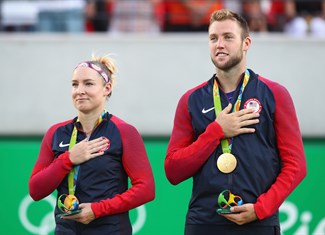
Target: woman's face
{"x": 89, "y": 90}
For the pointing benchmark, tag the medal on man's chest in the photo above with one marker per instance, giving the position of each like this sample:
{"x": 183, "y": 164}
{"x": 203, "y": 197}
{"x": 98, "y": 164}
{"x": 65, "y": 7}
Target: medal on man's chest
{"x": 226, "y": 163}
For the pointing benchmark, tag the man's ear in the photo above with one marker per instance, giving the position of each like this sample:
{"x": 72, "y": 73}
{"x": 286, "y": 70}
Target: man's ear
{"x": 247, "y": 43}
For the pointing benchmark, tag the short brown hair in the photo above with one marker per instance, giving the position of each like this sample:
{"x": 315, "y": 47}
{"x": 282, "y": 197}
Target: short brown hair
{"x": 224, "y": 14}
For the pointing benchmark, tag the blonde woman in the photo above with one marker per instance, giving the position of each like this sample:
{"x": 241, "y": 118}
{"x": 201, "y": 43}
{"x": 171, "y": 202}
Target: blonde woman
{"x": 90, "y": 158}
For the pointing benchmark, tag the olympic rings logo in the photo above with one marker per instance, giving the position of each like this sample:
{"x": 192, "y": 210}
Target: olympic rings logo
{"x": 47, "y": 224}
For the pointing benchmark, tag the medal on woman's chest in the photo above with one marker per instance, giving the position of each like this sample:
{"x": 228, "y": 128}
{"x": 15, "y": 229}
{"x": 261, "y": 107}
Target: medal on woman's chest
{"x": 69, "y": 203}
{"x": 226, "y": 163}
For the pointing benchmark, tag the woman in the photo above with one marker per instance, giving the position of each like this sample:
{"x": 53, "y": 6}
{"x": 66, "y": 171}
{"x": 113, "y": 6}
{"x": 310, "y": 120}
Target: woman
{"x": 91, "y": 157}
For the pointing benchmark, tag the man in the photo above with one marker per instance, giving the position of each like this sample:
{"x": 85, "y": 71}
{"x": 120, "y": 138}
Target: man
{"x": 238, "y": 137}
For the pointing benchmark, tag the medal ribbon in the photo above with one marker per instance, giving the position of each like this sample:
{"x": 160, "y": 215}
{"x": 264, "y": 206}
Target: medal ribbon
{"x": 226, "y": 144}
{"x": 73, "y": 174}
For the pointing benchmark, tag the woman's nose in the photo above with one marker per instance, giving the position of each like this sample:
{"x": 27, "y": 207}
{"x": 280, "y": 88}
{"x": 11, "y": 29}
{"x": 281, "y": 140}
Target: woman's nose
{"x": 80, "y": 89}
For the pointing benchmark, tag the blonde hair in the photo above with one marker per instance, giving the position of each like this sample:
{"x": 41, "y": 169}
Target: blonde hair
{"x": 107, "y": 64}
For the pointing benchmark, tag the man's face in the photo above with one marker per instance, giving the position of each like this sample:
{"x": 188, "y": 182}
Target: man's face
{"x": 226, "y": 44}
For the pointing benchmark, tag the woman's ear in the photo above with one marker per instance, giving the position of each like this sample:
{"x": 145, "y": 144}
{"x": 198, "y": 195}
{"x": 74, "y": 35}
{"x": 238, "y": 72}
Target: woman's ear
{"x": 108, "y": 88}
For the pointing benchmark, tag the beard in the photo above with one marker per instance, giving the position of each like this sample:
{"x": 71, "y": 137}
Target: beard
{"x": 233, "y": 61}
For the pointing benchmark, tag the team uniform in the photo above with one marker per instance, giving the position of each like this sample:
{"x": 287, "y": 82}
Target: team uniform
{"x": 102, "y": 181}
{"x": 271, "y": 161}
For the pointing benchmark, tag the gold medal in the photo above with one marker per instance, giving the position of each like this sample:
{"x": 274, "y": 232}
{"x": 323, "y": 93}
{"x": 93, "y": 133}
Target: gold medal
{"x": 226, "y": 163}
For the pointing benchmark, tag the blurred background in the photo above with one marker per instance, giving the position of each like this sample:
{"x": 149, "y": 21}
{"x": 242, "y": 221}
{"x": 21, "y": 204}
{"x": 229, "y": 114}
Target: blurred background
{"x": 161, "y": 51}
